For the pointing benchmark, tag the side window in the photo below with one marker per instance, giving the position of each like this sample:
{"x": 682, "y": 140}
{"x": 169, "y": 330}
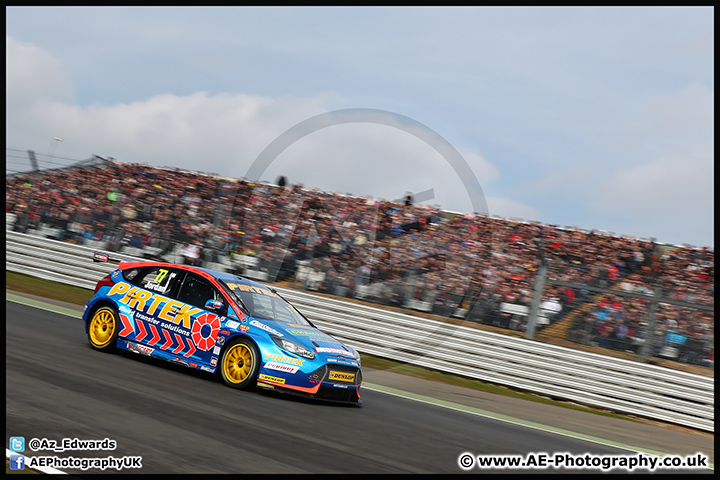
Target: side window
{"x": 158, "y": 279}
{"x": 196, "y": 291}
{"x": 130, "y": 275}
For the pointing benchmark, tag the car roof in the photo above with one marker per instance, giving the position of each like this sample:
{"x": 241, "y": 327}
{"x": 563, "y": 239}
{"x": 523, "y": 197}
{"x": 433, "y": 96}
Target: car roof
{"x": 218, "y": 275}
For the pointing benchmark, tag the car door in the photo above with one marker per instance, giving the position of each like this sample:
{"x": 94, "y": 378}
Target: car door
{"x": 204, "y": 324}
{"x": 146, "y": 310}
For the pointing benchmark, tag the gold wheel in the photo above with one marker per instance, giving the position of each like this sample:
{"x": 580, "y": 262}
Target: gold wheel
{"x": 239, "y": 364}
{"x": 103, "y": 328}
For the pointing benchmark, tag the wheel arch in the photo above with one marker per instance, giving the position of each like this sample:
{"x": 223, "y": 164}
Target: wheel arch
{"x": 231, "y": 342}
{"x": 239, "y": 336}
{"x": 103, "y": 302}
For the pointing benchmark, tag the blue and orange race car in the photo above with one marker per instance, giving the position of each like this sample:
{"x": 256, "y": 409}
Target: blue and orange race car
{"x": 219, "y": 322}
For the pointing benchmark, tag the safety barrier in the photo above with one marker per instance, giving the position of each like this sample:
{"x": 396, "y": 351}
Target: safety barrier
{"x": 615, "y": 384}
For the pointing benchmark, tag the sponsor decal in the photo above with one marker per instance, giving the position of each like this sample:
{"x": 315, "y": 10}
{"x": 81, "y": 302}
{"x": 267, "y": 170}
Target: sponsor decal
{"x": 248, "y": 288}
{"x": 207, "y": 369}
{"x": 295, "y": 331}
{"x": 142, "y": 349}
{"x": 205, "y": 341}
{"x": 262, "y": 326}
{"x": 343, "y": 360}
{"x": 270, "y": 378}
{"x": 213, "y": 361}
{"x": 334, "y": 351}
{"x": 216, "y": 350}
{"x": 156, "y": 287}
{"x": 283, "y": 359}
{"x": 220, "y": 340}
{"x": 232, "y": 324}
{"x": 163, "y": 322}
{"x": 341, "y": 376}
{"x": 326, "y": 338}
{"x": 149, "y": 303}
{"x": 283, "y": 367}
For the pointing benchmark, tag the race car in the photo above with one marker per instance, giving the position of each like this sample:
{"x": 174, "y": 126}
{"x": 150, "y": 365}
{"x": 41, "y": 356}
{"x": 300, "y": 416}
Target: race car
{"x": 219, "y": 323}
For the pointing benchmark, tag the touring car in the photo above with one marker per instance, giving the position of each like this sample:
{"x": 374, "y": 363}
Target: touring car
{"x": 221, "y": 323}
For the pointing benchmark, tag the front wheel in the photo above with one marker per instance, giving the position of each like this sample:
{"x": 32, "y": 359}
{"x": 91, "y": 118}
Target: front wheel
{"x": 239, "y": 364}
{"x": 103, "y": 329}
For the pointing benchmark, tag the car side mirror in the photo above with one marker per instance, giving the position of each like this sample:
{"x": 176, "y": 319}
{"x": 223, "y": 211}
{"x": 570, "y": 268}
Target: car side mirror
{"x": 214, "y": 305}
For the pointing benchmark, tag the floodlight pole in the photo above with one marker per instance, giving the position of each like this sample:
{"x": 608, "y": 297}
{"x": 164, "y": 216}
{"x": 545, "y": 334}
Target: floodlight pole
{"x": 646, "y": 347}
{"x": 537, "y": 293}
{"x": 53, "y": 145}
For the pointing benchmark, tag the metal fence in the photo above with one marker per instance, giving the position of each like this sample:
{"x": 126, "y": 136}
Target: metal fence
{"x": 557, "y": 372}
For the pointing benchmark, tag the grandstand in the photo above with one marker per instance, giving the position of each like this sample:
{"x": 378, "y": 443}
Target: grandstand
{"x": 601, "y": 290}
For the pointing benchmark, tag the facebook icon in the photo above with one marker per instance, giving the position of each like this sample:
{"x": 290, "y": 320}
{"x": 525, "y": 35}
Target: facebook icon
{"x": 17, "y": 462}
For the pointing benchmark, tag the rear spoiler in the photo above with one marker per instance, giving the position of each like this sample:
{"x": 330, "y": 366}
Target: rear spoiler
{"x": 104, "y": 257}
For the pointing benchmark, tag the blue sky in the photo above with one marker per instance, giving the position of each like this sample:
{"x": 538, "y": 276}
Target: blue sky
{"x": 600, "y": 118}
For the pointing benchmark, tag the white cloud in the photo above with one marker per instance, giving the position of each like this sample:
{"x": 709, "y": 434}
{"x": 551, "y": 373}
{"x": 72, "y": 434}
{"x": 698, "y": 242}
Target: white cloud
{"x": 509, "y": 208}
{"x": 578, "y": 113}
{"x": 675, "y": 133}
{"x": 678, "y": 185}
{"x": 661, "y": 122}
{"x": 33, "y": 75}
{"x": 225, "y": 133}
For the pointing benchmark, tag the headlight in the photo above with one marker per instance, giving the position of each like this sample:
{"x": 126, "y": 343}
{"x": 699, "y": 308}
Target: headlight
{"x": 353, "y": 351}
{"x": 293, "y": 347}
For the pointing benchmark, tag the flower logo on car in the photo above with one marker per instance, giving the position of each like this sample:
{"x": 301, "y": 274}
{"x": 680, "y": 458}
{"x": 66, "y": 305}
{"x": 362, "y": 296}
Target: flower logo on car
{"x": 206, "y": 341}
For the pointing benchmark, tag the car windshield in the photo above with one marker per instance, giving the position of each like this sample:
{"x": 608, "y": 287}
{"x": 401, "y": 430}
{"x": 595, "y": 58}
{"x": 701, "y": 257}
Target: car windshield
{"x": 265, "y": 304}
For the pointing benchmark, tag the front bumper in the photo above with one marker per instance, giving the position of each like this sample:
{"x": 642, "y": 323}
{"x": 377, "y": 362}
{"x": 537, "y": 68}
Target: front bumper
{"x": 331, "y": 382}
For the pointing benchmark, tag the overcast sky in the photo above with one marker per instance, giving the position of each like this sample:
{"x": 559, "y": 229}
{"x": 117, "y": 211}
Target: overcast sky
{"x": 600, "y": 118}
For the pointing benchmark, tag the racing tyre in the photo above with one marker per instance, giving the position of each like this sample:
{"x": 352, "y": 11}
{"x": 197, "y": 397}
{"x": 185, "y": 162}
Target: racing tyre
{"x": 239, "y": 364}
{"x": 103, "y": 329}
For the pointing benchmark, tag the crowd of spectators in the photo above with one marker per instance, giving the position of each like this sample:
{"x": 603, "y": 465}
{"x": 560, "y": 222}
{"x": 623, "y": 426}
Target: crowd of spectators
{"x": 399, "y": 254}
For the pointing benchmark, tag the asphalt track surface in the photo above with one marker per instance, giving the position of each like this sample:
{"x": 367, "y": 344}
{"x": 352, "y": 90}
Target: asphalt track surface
{"x": 182, "y": 421}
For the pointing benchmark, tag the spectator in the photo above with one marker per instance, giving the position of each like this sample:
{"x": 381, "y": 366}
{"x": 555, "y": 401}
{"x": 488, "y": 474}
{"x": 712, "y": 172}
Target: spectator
{"x": 551, "y": 307}
{"x": 190, "y": 253}
{"x": 374, "y": 243}
{"x": 691, "y": 350}
{"x": 622, "y": 333}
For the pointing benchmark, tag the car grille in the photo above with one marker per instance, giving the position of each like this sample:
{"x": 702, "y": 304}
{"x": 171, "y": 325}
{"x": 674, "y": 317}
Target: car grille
{"x": 323, "y": 373}
{"x": 338, "y": 394}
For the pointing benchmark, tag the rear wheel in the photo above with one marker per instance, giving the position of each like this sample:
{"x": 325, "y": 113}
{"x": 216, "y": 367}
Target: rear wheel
{"x": 239, "y": 364}
{"x": 103, "y": 329}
